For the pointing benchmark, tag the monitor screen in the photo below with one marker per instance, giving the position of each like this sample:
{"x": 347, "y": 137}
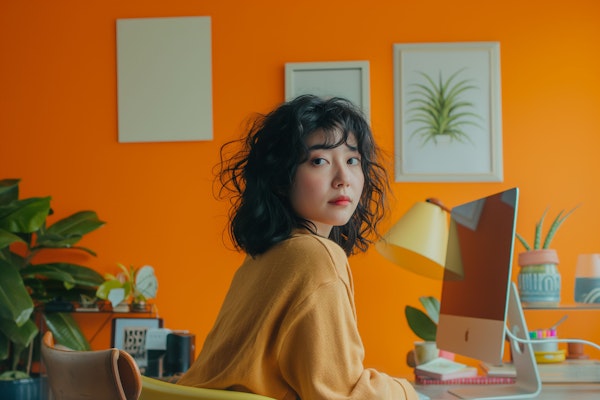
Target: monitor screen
{"x": 477, "y": 277}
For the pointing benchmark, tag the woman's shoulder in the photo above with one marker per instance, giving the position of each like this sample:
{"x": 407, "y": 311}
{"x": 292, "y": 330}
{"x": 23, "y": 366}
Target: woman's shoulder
{"x": 318, "y": 246}
{"x": 310, "y": 255}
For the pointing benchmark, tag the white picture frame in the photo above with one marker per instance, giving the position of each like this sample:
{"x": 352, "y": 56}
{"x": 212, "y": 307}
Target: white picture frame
{"x": 347, "y": 79}
{"x": 129, "y": 334}
{"x": 472, "y": 152}
{"x": 164, "y": 79}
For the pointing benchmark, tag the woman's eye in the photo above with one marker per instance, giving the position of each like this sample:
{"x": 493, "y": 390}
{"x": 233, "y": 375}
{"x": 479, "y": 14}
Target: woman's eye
{"x": 354, "y": 161}
{"x": 318, "y": 161}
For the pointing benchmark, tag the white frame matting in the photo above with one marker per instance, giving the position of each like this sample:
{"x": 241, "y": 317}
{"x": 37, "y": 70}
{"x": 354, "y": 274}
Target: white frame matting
{"x": 164, "y": 79}
{"x": 347, "y": 79}
{"x": 476, "y": 154}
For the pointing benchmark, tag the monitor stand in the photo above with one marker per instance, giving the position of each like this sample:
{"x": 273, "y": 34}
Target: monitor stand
{"x": 528, "y": 384}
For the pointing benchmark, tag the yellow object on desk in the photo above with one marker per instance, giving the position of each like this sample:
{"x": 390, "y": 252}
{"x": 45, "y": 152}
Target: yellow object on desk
{"x": 546, "y": 357}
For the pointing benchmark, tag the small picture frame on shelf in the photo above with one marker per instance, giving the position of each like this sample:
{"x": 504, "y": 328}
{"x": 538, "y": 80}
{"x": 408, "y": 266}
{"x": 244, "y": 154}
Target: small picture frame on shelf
{"x": 129, "y": 334}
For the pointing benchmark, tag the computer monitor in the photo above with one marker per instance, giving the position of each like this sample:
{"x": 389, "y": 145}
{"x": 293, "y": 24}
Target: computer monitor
{"x": 476, "y": 278}
{"x": 479, "y": 301}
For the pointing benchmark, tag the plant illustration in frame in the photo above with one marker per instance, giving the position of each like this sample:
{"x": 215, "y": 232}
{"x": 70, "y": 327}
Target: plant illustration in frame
{"x": 439, "y": 109}
{"x": 447, "y": 112}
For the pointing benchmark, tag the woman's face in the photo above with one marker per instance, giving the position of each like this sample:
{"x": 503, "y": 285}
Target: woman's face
{"x": 328, "y": 185}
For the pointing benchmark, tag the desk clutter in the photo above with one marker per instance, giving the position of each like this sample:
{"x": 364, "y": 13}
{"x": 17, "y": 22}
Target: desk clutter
{"x": 170, "y": 353}
{"x": 442, "y": 371}
{"x": 158, "y": 352}
{"x": 568, "y": 371}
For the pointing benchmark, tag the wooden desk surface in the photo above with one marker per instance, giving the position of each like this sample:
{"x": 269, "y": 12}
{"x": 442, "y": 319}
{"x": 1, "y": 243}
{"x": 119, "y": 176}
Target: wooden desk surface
{"x": 550, "y": 391}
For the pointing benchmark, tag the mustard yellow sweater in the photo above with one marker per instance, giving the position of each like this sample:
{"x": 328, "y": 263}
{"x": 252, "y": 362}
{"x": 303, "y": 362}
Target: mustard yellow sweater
{"x": 287, "y": 330}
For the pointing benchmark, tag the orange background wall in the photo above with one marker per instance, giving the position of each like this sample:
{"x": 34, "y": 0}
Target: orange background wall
{"x": 58, "y": 127}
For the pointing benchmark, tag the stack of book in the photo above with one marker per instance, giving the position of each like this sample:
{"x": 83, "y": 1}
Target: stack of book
{"x": 442, "y": 371}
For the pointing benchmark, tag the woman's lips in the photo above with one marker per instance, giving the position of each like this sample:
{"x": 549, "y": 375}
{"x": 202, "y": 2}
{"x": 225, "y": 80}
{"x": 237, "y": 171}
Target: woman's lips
{"x": 341, "y": 201}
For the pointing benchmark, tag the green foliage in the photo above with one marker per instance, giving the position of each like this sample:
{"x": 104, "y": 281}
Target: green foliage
{"x": 439, "y": 110}
{"x": 539, "y": 226}
{"x": 424, "y": 324}
{"x": 26, "y": 286}
{"x": 138, "y": 284}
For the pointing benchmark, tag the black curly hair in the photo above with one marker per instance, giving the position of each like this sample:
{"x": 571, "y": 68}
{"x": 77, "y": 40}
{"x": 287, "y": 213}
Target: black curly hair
{"x": 258, "y": 177}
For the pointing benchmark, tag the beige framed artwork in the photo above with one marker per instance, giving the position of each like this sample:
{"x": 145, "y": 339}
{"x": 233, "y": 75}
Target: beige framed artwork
{"x": 447, "y": 111}
{"x": 347, "y": 79}
{"x": 164, "y": 79}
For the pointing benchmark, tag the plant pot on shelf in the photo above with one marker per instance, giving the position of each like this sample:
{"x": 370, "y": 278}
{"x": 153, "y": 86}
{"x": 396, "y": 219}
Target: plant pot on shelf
{"x": 24, "y": 389}
{"x": 140, "y": 306}
{"x": 539, "y": 280}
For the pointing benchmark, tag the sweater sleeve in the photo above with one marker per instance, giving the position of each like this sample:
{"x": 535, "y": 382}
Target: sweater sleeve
{"x": 322, "y": 354}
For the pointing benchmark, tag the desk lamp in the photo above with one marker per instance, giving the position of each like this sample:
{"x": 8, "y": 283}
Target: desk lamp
{"x": 418, "y": 241}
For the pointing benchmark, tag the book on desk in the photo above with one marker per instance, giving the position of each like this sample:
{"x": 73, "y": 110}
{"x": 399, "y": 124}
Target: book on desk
{"x": 444, "y": 369}
{"x": 473, "y": 380}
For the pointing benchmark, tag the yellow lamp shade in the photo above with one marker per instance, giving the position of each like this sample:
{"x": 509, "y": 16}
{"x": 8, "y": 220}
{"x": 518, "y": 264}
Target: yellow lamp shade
{"x": 418, "y": 241}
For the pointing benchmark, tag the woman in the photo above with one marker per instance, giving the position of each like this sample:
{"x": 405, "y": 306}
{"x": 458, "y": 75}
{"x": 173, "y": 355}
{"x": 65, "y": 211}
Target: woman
{"x": 308, "y": 191}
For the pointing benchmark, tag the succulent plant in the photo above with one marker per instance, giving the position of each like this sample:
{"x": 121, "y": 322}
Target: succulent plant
{"x": 537, "y": 240}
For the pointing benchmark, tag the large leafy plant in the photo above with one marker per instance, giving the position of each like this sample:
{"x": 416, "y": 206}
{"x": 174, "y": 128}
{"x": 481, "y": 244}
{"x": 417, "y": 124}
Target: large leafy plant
{"x": 26, "y": 286}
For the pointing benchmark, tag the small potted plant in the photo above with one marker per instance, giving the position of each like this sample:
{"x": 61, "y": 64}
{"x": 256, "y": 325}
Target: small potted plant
{"x": 130, "y": 288}
{"x": 423, "y": 323}
{"x": 539, "y": 280}
{"x": 29, "y": 287}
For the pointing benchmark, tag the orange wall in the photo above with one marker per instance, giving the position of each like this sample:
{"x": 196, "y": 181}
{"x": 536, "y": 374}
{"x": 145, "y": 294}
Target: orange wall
{"x": 58, "y": 127}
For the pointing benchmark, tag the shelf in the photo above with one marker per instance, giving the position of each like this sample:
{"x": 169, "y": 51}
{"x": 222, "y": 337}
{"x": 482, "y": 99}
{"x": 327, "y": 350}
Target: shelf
{"x": 100, "y": 308}
{"x": 566, "y": 307}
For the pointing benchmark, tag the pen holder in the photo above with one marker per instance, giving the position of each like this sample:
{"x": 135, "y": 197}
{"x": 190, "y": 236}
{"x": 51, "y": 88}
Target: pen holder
{"x": 548, "y": 336}
{"x": 546, "y": 348}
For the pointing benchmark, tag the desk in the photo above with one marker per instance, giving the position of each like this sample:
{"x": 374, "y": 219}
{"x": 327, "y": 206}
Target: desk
{"x": 550, "y": 391}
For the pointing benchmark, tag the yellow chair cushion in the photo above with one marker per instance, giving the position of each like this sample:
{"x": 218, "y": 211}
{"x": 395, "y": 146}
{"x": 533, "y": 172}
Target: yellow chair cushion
{"x": 155, "y": 389}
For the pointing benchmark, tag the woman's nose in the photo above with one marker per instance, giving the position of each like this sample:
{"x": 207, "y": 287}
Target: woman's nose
{"x": 342, "y": 178}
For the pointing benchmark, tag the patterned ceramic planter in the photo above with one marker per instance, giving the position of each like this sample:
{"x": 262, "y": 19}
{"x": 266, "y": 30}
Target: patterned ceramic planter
{"x": 539, "y": 280}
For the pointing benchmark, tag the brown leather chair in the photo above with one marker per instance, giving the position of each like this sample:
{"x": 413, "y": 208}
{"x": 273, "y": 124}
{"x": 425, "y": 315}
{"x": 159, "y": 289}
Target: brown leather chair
{"x": 102, "y": 374}
{"x": 113, "y": 375}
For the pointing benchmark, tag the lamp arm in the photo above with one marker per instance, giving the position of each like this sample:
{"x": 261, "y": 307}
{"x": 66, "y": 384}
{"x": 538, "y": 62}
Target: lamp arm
{"x": 438, "y": 203}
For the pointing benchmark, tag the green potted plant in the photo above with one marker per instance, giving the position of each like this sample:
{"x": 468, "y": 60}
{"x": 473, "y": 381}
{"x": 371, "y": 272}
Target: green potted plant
{"x": 539, "y": 280}
{"x": 132, "y": 287}
{"x": 26, "y": 286}
{"x": 422, "y": 323}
